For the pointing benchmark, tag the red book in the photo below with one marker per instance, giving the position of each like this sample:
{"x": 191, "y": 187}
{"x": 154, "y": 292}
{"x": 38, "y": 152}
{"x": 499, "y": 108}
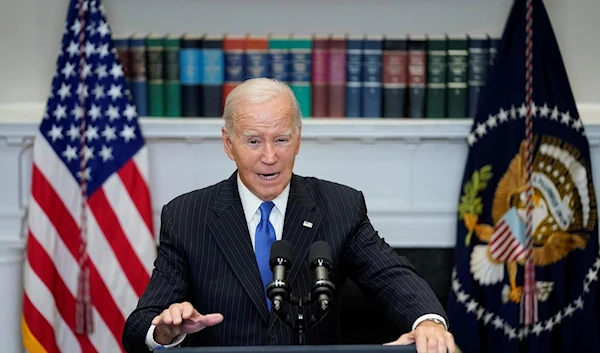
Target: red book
{"x": 320, "y": 77}
{"x": 337, "y": 77}
{"x": 233, "y": 52}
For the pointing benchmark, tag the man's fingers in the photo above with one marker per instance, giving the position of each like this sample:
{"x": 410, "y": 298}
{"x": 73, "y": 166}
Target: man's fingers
{"x": 166, "y": 316}
{"x": 450, "y": 343}
{"x": 421, "y": 343}
{"x": 187, "y": 311}
{"x": 156, "y": 320}
{"x": 407, "y": 338}
{"x": 175, "y": 312}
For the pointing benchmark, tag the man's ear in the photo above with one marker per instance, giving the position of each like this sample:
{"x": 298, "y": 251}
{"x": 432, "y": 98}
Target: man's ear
{"x": 227, "y": 143}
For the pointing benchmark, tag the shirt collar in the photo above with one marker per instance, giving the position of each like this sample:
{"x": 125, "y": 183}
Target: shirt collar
{"x": 251, "y": 203}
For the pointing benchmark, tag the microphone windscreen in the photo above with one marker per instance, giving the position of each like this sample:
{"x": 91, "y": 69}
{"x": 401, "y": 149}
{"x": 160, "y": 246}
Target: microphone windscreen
{"x": 281, "y": 249}
{"x": 319, "y": 250}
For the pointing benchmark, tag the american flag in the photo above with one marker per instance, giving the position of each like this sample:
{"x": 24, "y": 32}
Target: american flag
{"x": 508, "y": 238}
{"x": 90, "y": 243}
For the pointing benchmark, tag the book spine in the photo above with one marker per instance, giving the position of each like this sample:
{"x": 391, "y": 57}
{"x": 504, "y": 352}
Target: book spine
{"x": 156, "y": 87}
{"x": 436, "y": 78}
{"x": 395, "y": 77}
{"x": 234, "y": 63}
{"x": 214, "y": 72}
{"x": 122, "y": 47}
{"x": 372, "y": 91}
{"x": 172, "y": 82}
{"x": 279, "y": 53}
{"x": 301, "y": 51}
{"x": 257, "y": 57}
{"x": 457, "y": 77}
{"x": 139, "y": 78}
{"x": 320, "y": 76}
{"x": 191, "y": 70}
{"x": 354, "y": 53}
{"x": 337, "y": 77}
{"x": 417, "y": 77}
{"x": 477, "y": 71}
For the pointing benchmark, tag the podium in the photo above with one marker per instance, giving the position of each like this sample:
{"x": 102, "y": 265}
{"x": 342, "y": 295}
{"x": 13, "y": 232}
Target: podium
{"x": 300, "y": 349}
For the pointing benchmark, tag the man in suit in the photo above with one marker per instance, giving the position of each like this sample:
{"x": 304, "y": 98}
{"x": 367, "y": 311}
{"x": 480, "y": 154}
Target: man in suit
{"x": 208, "y": 284}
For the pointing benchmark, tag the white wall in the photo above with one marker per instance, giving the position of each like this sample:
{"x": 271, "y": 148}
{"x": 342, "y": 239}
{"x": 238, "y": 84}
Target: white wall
{"x": 30, "y": 30}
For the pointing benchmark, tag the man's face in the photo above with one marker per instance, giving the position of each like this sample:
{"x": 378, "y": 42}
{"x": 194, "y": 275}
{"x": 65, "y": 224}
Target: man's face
{"x": 264, "y": 145}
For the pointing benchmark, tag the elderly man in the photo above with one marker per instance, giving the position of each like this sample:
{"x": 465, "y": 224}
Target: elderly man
{"x": 208, "y": 285}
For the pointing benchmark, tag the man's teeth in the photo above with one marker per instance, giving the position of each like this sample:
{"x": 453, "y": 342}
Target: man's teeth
{"x": 268, "y": 176}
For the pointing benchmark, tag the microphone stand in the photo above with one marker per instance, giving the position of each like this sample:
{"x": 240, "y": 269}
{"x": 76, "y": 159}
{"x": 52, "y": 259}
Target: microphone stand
{"x": 300, "y": 326}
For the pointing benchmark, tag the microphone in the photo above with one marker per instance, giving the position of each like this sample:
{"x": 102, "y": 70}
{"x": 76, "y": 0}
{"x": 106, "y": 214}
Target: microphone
{"x": 280, "y": 261}
{"x": 319, "y": 259}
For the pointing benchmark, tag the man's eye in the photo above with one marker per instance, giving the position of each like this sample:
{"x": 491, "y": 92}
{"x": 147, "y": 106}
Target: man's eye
{"x": 253, "y": 142}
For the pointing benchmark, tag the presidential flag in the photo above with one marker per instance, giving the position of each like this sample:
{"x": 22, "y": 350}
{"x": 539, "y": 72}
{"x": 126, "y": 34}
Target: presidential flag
{"x": 90, "y": 243}
{"x": 526, "y": 258}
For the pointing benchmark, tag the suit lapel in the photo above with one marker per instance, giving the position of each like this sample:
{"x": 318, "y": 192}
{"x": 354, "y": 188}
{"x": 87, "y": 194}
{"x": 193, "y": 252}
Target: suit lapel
{"x": 302, "y": 220}
{"x": 230, "y": 231}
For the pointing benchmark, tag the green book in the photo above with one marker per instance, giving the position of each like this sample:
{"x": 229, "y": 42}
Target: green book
{"x": 155, "y": 59}
{"x": 172, "y": 92}
{"x": 279, "y": 54}
{"x": 436, "y": 77}
{"x": 458, "y": 52}
{"x": 300, "y": 80}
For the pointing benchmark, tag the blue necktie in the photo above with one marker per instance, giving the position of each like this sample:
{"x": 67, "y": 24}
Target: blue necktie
{"x": 264, "y": 238}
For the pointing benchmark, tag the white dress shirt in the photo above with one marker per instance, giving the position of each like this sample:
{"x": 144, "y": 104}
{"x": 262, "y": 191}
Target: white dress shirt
{"x": 251, "y": 204}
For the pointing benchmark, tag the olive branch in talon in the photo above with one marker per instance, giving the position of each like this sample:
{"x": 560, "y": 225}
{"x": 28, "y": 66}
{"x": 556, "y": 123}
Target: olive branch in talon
{"x": 471, "y": 205}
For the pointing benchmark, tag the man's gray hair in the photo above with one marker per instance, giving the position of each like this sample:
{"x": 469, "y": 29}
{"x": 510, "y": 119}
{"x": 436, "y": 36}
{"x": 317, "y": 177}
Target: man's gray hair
{"x": 258, "y": 90}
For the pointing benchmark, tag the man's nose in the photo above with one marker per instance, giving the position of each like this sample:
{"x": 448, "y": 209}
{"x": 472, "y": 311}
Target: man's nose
{"x": 269, "y": 155}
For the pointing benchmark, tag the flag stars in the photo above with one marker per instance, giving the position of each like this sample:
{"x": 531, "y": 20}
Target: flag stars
{"x": 597, "y": 264}
{"x": 534, "y": 109}
{"x": 592, "y": 275}
{"x": 523, "y": 110}
{"x": 87, "y": 70}
{"x": 101, "y": 72}
{"x": 86, "y": 175}
{"x": 88, "y": 153}
{"x": 555, "y": 113}
{"x": 60, "y": 112}
{"x": 70, "y": 153}
{"x": 577, "y": 124}
{"x": 109, "y": 133}
{"x": 73, "y": 49}
{"x": 462, "y": 296}
{"x": 77, "y": 112}
{"x": 64, "y": 91}
{"x": 56, "y": 133}
{"x": 106, "y": 153}
{"x": 95, "y": 112}
{"x": 98, "y": 92}
{"x": 128, "y": 133}
{"x": 89, "y": 49}
{"x": 565, "y": 118}
{"x": 115, "y": 92}
{"x": 537, "y": 329}
{"x": 91, "y": 133}
{"x": 579, "y": 303}
{"x": 103, "y": 51}
{"x": 498, "y": 322}
{"x": 481, "y": 129}
{"x": 116, "y": 71}
{"x": 569, "y": 310}
{"x": 503, "y": 115}
{"x": 549, "y": 324}
{"x": 472, "y": 306}
{"x": 68, "y": 70}
{"x": 130, "y": 112}
{"x": 76, "y": 26}
{"x": 471, "y": 139}
{"x": 544, "y": 111}
{"x": 513, "y": 112}
{"x": 103, "y": 28}
{"x": 82, "y": 90}
{"x": 488, "y": 317}
{"x": 492, "y": 121}
{"x": 73, "y": 132}
{"x": 112, "y": 113}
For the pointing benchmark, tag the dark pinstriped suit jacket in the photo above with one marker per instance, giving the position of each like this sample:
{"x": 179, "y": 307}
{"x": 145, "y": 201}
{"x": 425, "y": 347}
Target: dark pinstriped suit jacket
{"x": 206, "y": 257}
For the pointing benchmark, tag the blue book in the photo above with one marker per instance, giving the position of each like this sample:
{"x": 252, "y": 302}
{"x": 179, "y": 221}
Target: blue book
{"x": 354, "y": 74}
{"x": 214, "y": 73}
{"x": 138, "y": 84}
{"x": 477, "y": 70}
{"x": 372, "y": 91}
{"x": 191, "y": 70}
